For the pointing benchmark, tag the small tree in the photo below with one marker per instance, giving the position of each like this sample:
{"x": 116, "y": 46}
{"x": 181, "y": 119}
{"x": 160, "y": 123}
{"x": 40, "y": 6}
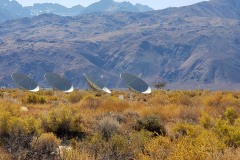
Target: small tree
{"x": 160, "y": 85}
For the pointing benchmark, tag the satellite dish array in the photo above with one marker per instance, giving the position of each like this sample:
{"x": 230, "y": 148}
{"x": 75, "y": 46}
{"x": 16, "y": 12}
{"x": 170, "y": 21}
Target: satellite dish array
{"x": 135, "y": 83}
{"x": 58, "y": 82}
{"x": 96, "y": 83}
{"x": 25, "y": 82}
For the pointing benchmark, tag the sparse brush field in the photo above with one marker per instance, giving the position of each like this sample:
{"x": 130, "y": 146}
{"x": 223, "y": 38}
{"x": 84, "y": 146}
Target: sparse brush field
{"x": 83, "y": 125}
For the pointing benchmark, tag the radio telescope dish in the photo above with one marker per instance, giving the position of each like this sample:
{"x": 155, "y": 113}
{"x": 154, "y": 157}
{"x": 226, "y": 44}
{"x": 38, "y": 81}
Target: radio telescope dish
{"x": 96, "y": 83}
{"x": 58, "y": 82}
{"x": 135, "y": 83}
{"x": 25, "y": 82}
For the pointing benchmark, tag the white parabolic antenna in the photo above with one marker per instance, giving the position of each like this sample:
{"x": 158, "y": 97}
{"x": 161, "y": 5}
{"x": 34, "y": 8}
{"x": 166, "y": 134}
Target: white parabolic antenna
{"x": 59, "y": 82}
{"x": 96, "y": 83}
{"x": 135, "y": 83}
{"x": 25, "y": 82}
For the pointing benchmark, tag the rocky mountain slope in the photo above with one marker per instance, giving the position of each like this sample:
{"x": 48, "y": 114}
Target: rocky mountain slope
{"x": 58, "y": 9}
{"x": 197, "y": 46}
{"x": 110, "y": 5}
{"x": 101, "y": 6}
{"x": 11, "y": 9}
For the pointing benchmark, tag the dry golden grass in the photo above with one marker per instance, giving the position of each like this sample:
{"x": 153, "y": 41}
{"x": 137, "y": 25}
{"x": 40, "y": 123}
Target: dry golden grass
{"x": 199, "y": 124}
{"x": 4, "y": 155}
{"x": 73, "y": 154}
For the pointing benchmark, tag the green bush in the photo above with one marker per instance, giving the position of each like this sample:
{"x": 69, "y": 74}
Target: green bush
{"x": 17, "y": 126}
{"x": 16, "y": 133}
{"x": 231, "y": 114}
{"x": 204, "y": 145}
{"x": 230, "y": 134}
{"x": 34, "y": 99}
{"x": 186, "y": 129}
{"x": 64, "y": 122}
{"x": 156, "y": 148}
{"x": 151, "y": 123}
{"x": 206, "y": 121}
{"x": 13, "y": 126}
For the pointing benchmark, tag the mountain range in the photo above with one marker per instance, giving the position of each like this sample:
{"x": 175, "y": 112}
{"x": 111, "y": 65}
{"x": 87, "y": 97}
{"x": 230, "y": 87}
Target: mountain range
{"x": 11, "y": 9}
{"x": 196, "y": 46}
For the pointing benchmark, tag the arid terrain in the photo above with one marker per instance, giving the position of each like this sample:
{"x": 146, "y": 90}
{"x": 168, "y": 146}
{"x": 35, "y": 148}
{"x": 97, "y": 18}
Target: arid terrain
{"x": 172, "y": 125}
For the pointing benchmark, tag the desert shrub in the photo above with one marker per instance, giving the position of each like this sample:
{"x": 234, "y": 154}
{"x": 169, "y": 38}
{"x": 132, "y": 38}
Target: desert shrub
{"x": 214, "y": 100}
{"x": 231, "y": 115}
{"x": 151, "y": 123}
{"x": 34, "y": 125}
{"x": 184, "y": 100}
{"x": 49, "y": 93}
{"x": 180, "y": 97}
{"x": 1, "y": 94}
{"x": 75, "y": 97}
{"x": 42, "y": 100}
{"x": 120, "y": 118}
{"x": 186, "y": 129}
{"x": 45, "y": 145}
{"x": 137, "y": 140}
{"x": 96, "y": 145}
{"x": 112, "y": 104}
{"x": 205, "y": 145}
{"x": 210, "y": 143}
{"x": 230, "y": 154}
{"x": 10, "y": 108}
{"x": 17, "y": 126}
{"x": 206, "y": 121}
{"x": 71, "y": 154}
{"x": 4, "y": 155}
{"x": 156, "y": 148}
{"x": 34, "y": 99}
{"x": 73, "y": 143}
{"x": 91, "y": 102}
{"x": 192, "y": 94}
{"x": 229, "y": 99}
{"x": 159, "y": 99}
{"x": 167, "y": 113}
{"x": 102, "y": 127}
{"x": 17, "y": 133}
{"x": 4, "y": 117}
{"x": 12, "y": 126}
{"x": 64, "y": 122}
{"x": 107, "y": 127}
{"x": 119, "y": 147}
{"x": 189, "y": 113}
{"x": 174, "y": 97}
{"x": 230, "y": 134}
{"x": 131, "y": 115}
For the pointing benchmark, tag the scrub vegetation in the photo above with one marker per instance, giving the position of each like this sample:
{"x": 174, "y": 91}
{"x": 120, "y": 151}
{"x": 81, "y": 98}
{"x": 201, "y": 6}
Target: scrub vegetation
{"x": 84, "y": 125}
